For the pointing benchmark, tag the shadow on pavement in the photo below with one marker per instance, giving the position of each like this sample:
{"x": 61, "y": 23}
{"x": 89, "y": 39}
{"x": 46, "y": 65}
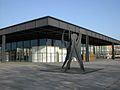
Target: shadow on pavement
{"x": 72, "y": 70}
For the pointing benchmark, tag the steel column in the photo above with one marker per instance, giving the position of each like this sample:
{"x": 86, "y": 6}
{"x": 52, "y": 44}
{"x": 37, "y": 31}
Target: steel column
{"x": 94, "y": 50}
{"x": 87, "y": 48}
{"x": 3, "y": 48}
{"x": 113, "y": 52}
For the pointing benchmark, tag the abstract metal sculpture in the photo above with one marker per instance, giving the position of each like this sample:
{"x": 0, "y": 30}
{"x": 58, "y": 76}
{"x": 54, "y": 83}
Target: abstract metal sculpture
{"x": 73, "y": 49}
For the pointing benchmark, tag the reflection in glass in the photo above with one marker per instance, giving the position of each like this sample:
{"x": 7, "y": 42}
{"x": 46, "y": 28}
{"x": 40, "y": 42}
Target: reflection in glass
{"x": 42, "y": 42}
{"x": 19, "y": 53}
{"x": 13, "y": 52}
{"x": 34, "y": 48}
{"x": 8, "y": 49}
{"x": 57, "y": 45}
{"x": 48, "y": 51}
{"x": 26, "y": 50}
{"x": 42, "y": 56}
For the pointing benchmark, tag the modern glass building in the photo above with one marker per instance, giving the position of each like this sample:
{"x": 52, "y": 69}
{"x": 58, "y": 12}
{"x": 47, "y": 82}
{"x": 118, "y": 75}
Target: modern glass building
{"x": 40, "y": 41}
{"x": 37, "y": 50}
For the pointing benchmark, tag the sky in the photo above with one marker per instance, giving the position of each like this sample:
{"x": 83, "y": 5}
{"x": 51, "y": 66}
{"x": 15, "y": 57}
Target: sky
{"x": 101, "y": 16}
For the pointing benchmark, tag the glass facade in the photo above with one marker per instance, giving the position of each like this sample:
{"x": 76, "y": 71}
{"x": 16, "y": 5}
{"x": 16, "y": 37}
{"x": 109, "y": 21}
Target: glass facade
{"x": 8, "y": 51}
{"x": 19, "y": 55}
{"x": 42, "y": 51}
{"x": 39, "y": 50}
{"x": 27, "y": 51}
{"x": 33, "y": 51}
{"x": 48, "y": 50}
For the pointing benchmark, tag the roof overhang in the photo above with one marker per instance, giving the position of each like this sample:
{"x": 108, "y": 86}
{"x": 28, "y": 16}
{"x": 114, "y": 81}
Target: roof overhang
{"x": 50, "y": 27}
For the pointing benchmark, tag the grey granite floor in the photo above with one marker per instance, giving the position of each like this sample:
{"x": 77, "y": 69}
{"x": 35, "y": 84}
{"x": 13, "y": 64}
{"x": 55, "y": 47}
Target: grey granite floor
{"x": 32, "y": 76}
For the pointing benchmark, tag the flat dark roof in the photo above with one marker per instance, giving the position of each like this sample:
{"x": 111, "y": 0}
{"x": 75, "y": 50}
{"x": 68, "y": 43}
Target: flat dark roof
{"x": 50, "y": 24}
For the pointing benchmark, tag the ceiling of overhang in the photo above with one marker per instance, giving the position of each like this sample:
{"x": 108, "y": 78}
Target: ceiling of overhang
{"x": 48, "y": 32}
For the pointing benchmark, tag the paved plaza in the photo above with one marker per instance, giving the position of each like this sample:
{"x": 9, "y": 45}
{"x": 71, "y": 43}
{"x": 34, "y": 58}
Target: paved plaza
{"x": 104, "y": 75}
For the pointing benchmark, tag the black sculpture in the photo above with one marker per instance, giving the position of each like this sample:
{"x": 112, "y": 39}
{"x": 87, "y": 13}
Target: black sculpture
{"x": 73, "y": 49}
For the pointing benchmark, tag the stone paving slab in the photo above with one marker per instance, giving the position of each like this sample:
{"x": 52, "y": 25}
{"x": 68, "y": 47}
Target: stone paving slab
{"x": 29, "y": 76}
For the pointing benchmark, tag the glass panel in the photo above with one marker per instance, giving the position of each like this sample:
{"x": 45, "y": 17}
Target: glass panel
{"x": 8, "y": 49}
{"x": 34, "y": 48}
{"x": 34, "y": 42}
{"x": 19, "y": 56}
{"x": 42, "y": 42}
{"x": 13, "y": 52}
{"x": 58, "y": 46}
{"x": 26, "y": 50}
{"x": 58, "y": 43}
{"x": 42, "y": 51}
{"x": 50, "y": 50}
{"x": 49, "y": 42}
{"x": 26, "y": 44}
{"x": 13, "y": 45}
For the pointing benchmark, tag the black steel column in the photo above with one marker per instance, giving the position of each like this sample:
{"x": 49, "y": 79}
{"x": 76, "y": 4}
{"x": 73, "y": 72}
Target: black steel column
{"x": 87, "y": 48}
{"x": 22, "y": 51}
{"x": 113, "y": 52}
{"x": 94, "y": 50}
{"x": 3, "y": 48}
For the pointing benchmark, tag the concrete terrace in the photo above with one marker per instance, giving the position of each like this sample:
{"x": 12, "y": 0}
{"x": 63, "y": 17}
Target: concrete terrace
{"x": 32, "y": 76}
